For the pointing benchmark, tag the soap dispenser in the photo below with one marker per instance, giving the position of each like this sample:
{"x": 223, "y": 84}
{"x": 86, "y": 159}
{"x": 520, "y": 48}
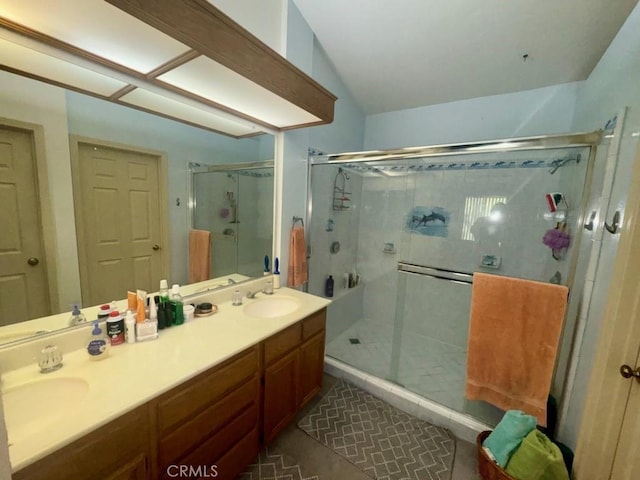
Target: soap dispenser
{"x": 98, "y": 346}
{"x": 77, "y": 317}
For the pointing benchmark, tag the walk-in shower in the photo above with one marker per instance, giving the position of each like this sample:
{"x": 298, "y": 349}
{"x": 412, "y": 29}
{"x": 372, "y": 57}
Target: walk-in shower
{"x": 235, "y": 203}
{"x": 415, "y": 224}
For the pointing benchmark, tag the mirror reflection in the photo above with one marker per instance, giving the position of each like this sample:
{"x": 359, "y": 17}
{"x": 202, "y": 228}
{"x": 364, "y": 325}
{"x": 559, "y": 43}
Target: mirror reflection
{"x": 87, "y": 159}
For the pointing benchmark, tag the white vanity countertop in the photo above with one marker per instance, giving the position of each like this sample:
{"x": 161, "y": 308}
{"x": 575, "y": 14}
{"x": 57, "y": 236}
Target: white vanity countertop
{"x": 133, "y": 374}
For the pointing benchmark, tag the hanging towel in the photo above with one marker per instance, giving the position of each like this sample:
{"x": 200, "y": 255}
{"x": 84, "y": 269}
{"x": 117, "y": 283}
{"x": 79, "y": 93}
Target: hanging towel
{"x": 297, "y": 271}
{"x": 514, "y": 330}
{"x": 537, "y": 458}
{"x": 199, "y": 255}
{"x": 508, "y": 434}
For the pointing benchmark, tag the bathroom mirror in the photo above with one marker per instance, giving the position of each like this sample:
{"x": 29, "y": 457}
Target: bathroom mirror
{"x": 66, "y": 116}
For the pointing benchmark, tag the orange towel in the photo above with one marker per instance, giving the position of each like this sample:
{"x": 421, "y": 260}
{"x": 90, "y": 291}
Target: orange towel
{"x": 199, "y": 255}
{"x": 297, "y": 271}
{"x": 514, "y": 331}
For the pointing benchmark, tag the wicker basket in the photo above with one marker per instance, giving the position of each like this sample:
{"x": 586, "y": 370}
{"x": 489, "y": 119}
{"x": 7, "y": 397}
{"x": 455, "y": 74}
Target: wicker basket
{"x": 488, "y": 469}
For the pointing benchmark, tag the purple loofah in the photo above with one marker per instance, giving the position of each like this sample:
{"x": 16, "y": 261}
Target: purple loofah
{"x": 556, "y": 239}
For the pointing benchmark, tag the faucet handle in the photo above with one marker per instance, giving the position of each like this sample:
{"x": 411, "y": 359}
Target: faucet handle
{"x": 50, "y": 359}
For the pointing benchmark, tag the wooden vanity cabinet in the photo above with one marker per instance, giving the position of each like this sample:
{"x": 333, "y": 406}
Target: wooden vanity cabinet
{"x": 117, "y": 451}
{"x": 293, "y": 366}
{"x": 219, "y": 418}
{"x": 211, "y": 420}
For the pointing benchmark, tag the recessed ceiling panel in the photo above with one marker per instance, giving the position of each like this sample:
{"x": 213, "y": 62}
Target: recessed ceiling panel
{"x": 99, "y": 28}
{"x": 42, "y": 65}
{"x": 152, "y": 101}
{"x": 212, "y": 81}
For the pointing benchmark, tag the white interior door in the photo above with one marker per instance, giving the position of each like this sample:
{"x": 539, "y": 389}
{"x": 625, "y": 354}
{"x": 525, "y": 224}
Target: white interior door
{"x": 121, "y": 221}
{"x": 610, "y": 433}
{"x": 24, "y": 293}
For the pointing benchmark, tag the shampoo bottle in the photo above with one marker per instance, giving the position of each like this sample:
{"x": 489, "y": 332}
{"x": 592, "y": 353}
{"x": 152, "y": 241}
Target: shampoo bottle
{"x": 328, "y": 287}
{"x": 98, "y": 346}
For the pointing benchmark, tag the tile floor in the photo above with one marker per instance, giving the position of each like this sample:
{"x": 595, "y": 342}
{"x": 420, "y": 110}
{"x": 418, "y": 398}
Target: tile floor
{"x": 317, "y": 461}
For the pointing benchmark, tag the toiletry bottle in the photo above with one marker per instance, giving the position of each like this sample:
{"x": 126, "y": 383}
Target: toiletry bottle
{"x": 276, "y": 273}
{"x": 162, "y": 316}
{"x": 175, "y": 300}
{"x": 115, "y": 328}
{"x": 164, "y": 292}
{"x": 328, "y": 287}
{"x": 77, "y": 317}
{"x": 104, "y": 312}
{"x": 130, "y": 327}
{"x": 98, "y": 345}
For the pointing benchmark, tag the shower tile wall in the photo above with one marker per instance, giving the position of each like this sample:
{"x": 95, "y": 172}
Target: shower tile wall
{"x": 322, "y": 262}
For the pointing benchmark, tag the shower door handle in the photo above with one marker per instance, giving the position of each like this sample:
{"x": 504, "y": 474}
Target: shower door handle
{"x": 613, "y": 228}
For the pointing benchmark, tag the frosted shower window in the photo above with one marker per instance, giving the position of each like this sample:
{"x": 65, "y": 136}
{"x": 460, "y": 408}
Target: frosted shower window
{"x": 476, "y": 208}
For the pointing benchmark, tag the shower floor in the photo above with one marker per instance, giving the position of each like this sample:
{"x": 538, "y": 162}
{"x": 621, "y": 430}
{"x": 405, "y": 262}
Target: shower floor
{"x": 428, "y": 367}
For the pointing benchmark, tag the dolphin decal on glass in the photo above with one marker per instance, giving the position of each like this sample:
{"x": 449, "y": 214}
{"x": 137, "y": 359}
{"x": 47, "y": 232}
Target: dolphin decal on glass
{"x": 432, "y": 221}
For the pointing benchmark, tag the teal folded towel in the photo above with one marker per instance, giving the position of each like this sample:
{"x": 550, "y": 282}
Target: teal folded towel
{"x": 537, "y": 458}
{"x": 506, "y": 437}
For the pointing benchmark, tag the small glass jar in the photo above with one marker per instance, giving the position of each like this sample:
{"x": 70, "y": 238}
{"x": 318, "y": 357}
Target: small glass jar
{"x": 236, "y": 298}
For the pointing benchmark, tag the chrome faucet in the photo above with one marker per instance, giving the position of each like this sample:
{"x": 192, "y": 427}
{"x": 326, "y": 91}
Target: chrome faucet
{"x": 251, "y": 294}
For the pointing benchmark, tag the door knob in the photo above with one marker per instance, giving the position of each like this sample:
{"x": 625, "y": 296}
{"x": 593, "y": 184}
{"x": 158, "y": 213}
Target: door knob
{"x": 33, "y": 261}
{"x": 627, "y": 372}
{"x": 156, "y": 247}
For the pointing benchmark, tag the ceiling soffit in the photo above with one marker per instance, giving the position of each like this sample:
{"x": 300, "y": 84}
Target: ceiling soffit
{"x": 182, "y": 59}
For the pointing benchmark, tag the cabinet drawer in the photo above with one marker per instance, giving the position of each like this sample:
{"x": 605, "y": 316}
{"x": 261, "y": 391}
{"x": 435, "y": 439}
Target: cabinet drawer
{"x": 282, "y": 342}
{"x": 235, "y": 461}
{"x": 185, "y": 401}
{"x": 313, "y": 324}
{"x": 198, "y": 428}
{"x": 220, "y": 444}
{"x": 97, "y": 454}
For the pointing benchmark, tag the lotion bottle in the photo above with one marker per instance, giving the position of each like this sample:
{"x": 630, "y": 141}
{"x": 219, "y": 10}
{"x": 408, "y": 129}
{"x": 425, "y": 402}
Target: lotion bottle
{"x": 130, "y": 327}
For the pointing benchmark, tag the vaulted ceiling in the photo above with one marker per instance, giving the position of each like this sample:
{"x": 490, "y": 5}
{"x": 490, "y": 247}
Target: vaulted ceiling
{"x": 400, "y": 54}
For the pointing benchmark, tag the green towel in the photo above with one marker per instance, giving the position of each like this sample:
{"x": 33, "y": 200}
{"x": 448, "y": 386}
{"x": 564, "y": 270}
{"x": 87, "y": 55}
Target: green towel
{"x": 506, "y": 437}
{"x": 537, "y": 458}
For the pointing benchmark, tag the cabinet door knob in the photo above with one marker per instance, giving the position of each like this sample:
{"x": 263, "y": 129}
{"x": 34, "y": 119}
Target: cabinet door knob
{"x": 156, "y": 247}
{"x": 627, "y": 372}
{"x": 33, "y": 261}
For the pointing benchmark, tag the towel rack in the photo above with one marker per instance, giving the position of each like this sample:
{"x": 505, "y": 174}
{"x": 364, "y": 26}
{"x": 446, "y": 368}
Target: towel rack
{"x": 296, "y": 220}
{"x": 439, "y": 273}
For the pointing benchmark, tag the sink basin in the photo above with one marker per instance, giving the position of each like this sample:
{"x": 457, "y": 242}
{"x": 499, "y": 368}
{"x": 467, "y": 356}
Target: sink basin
{"x": 31, "y": 406}
{"x": 271, "y": 307}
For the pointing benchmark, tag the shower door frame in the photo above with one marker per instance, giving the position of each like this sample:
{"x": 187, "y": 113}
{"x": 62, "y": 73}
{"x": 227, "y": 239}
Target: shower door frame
{"x": 541, "y": 142}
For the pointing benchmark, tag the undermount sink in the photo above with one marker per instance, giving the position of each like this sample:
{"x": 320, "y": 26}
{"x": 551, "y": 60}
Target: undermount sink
{"x": 31, "y": 406}
{"x": 271, "y": 307}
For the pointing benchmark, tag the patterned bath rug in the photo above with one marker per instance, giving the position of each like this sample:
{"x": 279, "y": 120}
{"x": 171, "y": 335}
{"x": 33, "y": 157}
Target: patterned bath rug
{"x": 272, "y": 464}
{"x": 382, "y": 441}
